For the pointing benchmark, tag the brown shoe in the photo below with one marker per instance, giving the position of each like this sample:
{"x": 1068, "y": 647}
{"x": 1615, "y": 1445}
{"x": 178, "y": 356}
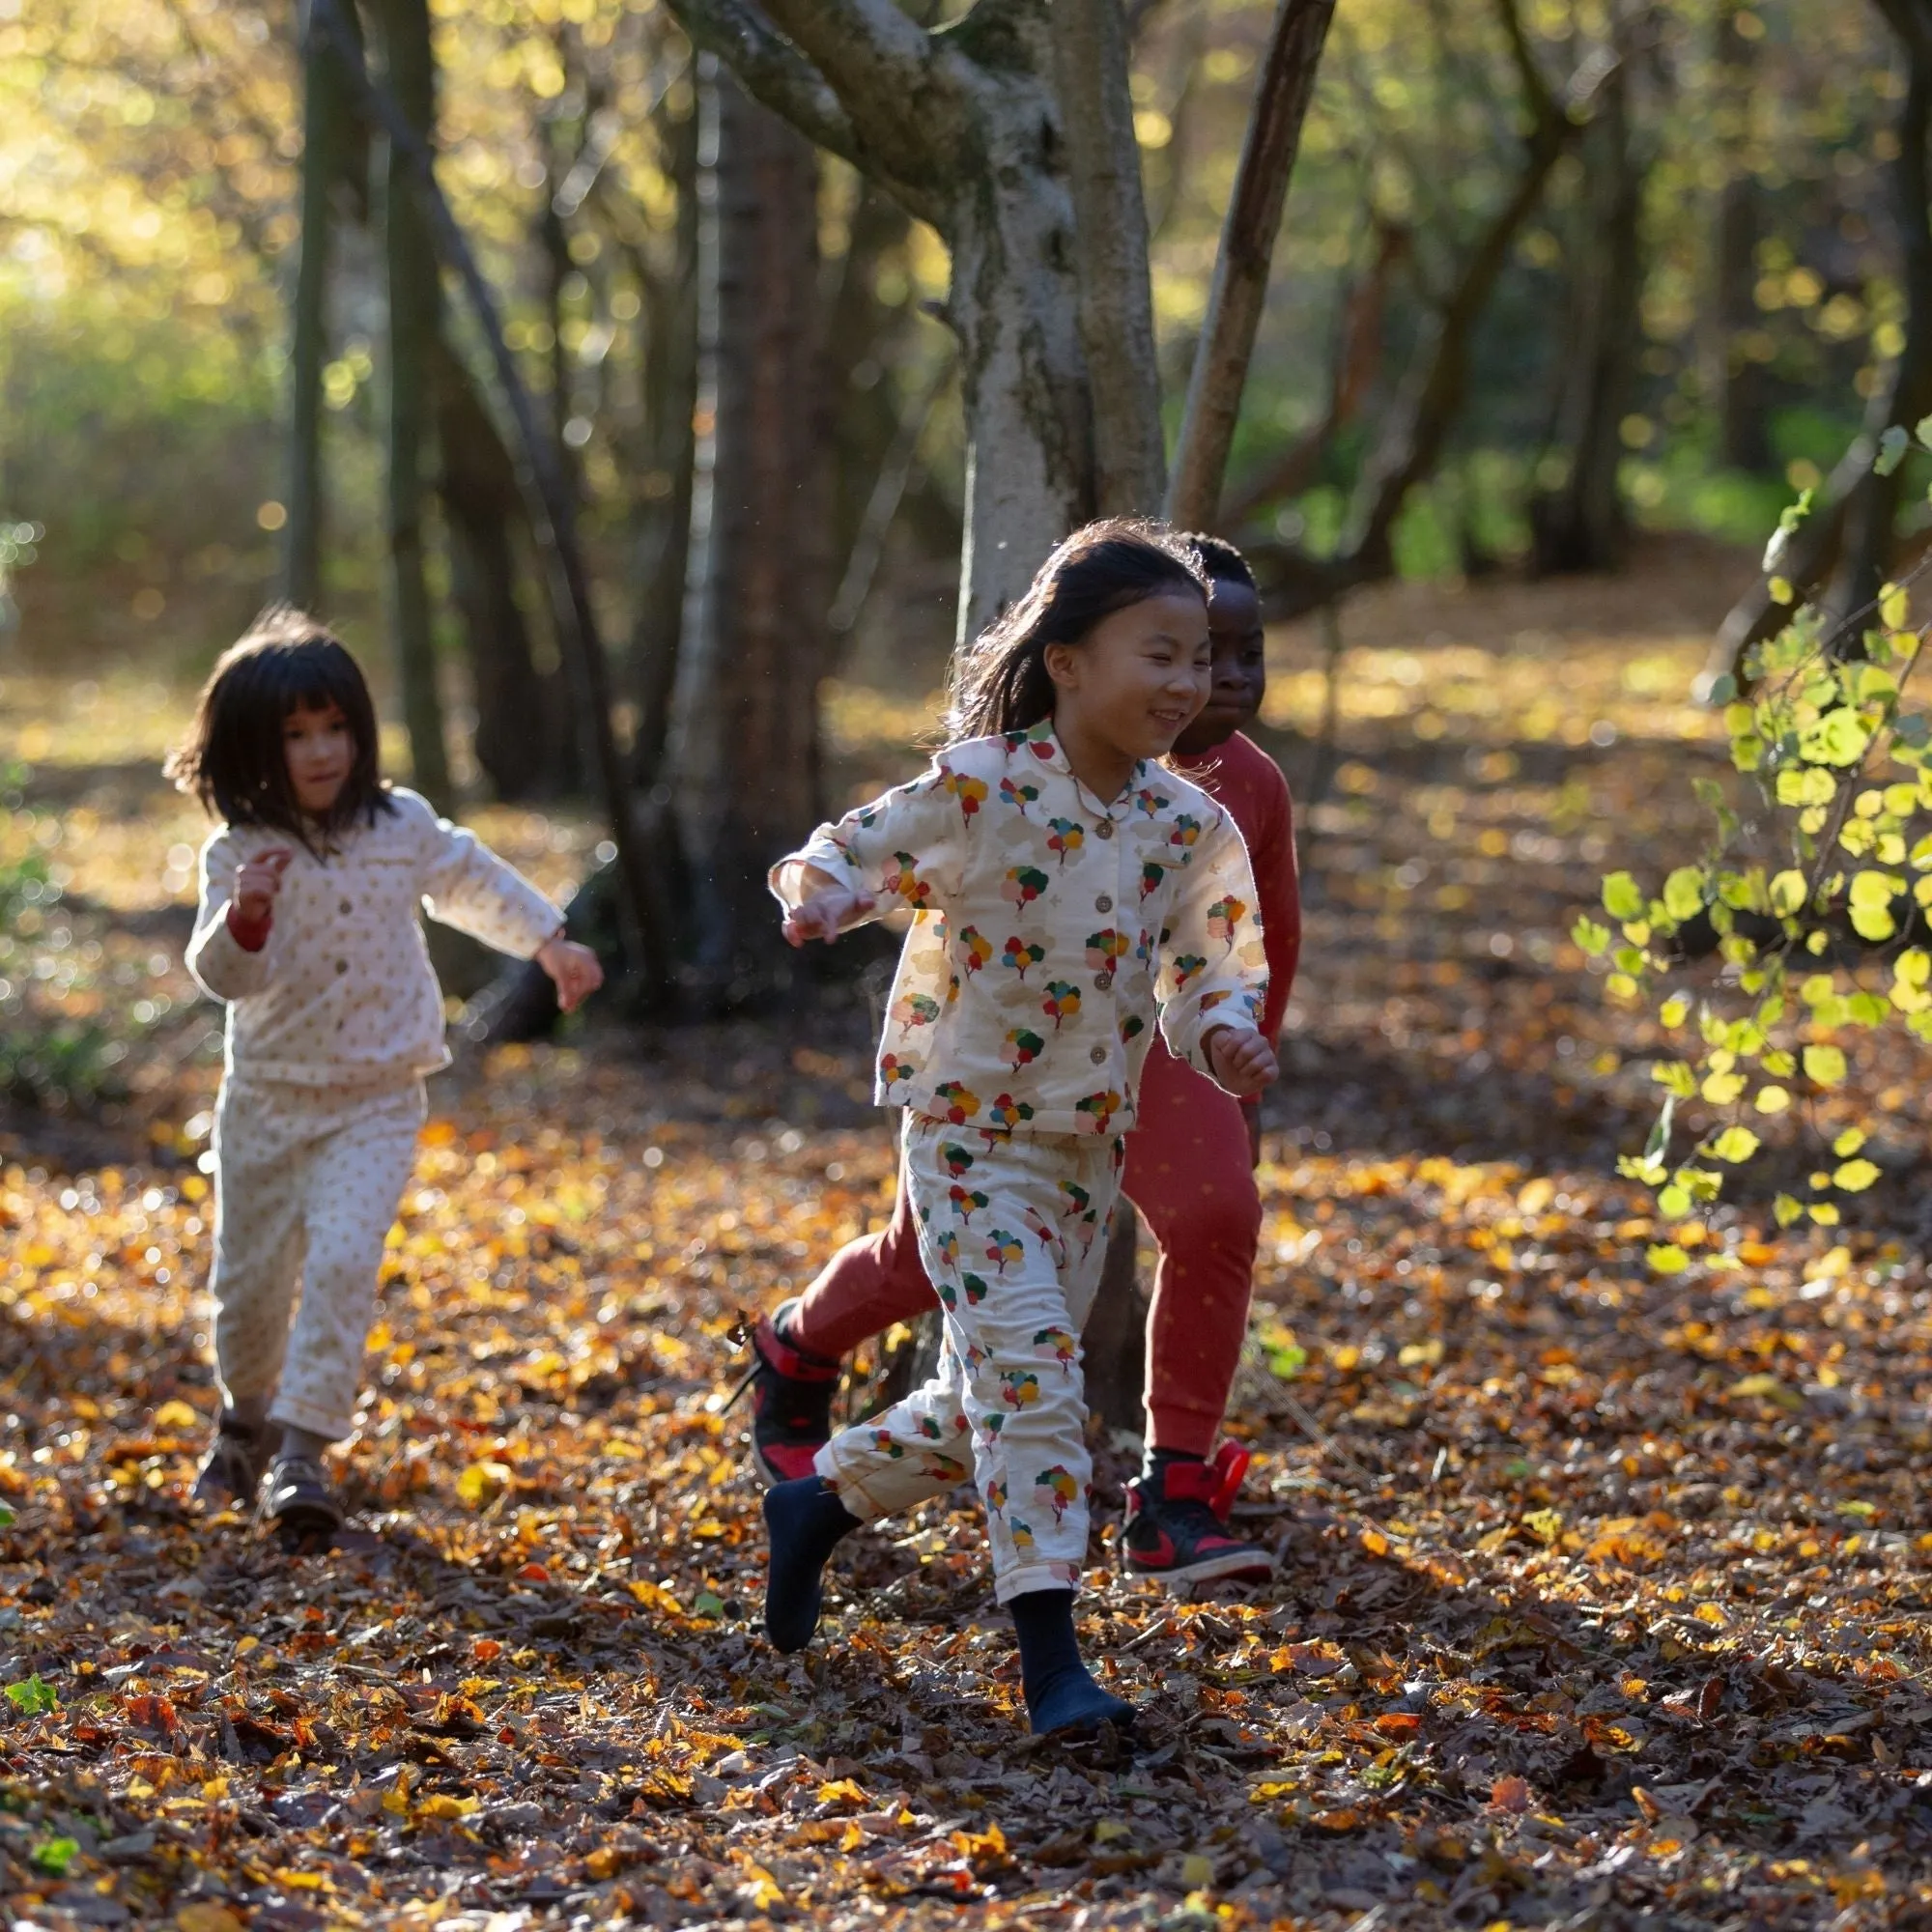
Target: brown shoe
{"x": 299, "y": 1502}
{"x": 231, "y": 1471}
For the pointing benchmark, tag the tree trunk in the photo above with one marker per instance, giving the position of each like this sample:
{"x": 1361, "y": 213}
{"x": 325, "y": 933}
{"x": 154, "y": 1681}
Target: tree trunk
{"x": 1738, "y": 375}
{"x": 1582, "y": 526}
{"x": 414, "y": 301}
{"x": 745, "y": 729}
{"x": 483, "y": 513}
{"x": 1089, "y": 47}
{"x": 1241, "y": 268}
{"x": 1014, "y": 305}
{"x": 662, "y": 545}
{"x": 325, "y": 129}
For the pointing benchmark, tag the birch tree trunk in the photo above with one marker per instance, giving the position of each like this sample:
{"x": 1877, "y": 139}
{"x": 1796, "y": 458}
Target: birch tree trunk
{"x": 414, "y": 301}
{"x": 964, "y": 130}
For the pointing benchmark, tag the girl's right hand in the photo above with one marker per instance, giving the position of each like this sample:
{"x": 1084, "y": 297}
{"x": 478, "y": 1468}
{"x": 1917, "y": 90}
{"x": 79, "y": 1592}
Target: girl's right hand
{"x": 826, "y": 914}
{"x": 258, "y": 882}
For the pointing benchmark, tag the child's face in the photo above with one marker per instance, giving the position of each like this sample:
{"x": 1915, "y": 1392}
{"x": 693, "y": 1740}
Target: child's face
{"x": 321, "y": 750}
{"x": 1241, "y": 668}
{"x": 1139, "y": 677}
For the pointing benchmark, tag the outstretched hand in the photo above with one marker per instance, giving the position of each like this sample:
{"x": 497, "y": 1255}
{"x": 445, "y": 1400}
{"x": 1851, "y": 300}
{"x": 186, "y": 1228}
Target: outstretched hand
{"x": 258, "y": 881}
{"x": 1242, "y": 1059}
{"x": 826, "y": 914}
{"x": 576, "y": 970}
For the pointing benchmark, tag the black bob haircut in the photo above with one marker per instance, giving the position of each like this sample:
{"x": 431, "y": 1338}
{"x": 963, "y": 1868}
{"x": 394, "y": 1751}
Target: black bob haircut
{"x": 1001, "y": 684}
{"x": 233, "y": 759}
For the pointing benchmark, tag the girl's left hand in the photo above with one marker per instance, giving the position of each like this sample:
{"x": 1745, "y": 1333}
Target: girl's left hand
{"x": 575, "y": 968}
{"x": 1243, "y": 1061}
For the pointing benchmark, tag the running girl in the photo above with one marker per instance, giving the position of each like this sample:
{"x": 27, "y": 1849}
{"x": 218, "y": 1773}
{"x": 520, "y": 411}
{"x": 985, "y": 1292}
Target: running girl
{"x": 308, "y": 928}
{"x": 1076, "y": 893}
{"x": 1188, "y": 1170}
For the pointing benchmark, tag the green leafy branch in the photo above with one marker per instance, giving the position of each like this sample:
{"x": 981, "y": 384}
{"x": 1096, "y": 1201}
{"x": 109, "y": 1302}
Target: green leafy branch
{"x": 1845, "y": 771}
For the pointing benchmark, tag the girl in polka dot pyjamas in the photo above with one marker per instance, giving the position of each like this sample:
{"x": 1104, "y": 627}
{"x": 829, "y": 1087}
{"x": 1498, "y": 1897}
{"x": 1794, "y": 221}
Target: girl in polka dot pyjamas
{"x": 307, "y": 929}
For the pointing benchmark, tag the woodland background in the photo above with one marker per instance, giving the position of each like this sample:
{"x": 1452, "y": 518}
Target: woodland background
{"x": 1600, "y": 1597}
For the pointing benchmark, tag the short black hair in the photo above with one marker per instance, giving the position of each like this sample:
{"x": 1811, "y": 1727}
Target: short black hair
{"x": 232, "y": 758}
{"x": 1001, "y": 684}
{"x": 1220, "y": 559}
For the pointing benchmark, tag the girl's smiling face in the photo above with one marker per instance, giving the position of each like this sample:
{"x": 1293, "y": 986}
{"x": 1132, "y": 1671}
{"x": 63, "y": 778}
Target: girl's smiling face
{"x": 320, "y": 747}
{"x": 1138, "y": 677}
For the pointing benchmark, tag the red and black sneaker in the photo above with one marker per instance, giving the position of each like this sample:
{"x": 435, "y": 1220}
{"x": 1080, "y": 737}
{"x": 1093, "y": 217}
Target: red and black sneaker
{"x": 1177, "y": 1523}
{"x": 791, "y": 1404}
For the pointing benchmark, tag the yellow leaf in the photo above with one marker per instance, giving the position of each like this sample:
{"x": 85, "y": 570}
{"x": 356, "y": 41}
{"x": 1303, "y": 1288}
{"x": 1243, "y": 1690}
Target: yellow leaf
{"x": 842, "y": 1791}
{"x": 1197, "y": 1871}
{"x": 441, "y": 1804}
{"x": 1826, "y": 1064}
{"x": 1772, "y": 1099}
{"x": 176, "y": 1415}
{"x": 762, "y": 1891}
{"x": 203, "y": 1916}
{"x": 482, "y": 1483}
{"x": 1108, "y": 1829}
{"x": 1767, "y": 1388}
{"x": 1544, "y": 1524}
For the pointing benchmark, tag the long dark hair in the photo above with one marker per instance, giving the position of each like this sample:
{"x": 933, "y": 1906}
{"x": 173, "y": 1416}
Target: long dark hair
{"x": 1000, "y": 683}
{"x": 232, "y": 758}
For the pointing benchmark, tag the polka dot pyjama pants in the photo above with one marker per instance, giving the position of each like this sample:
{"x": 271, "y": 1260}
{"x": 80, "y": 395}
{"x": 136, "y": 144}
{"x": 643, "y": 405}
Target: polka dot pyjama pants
{"x": 1013, "y": 1235}
{"x": 306, "y": 1183}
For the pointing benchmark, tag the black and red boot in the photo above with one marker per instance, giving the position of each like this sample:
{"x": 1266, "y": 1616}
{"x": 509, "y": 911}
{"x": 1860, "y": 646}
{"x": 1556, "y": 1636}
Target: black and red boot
{"x": 1177, "y": 1530}
{"x": 791, "y": 1403}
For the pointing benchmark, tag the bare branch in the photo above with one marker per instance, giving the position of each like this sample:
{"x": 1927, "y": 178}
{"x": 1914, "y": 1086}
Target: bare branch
{"x": 880, "y": 64}
{"x": 1247, "y": 249}
{"x": 1536, "y": 88}
{"x": 868, "y": 127}
{"x": 771, "y": 68}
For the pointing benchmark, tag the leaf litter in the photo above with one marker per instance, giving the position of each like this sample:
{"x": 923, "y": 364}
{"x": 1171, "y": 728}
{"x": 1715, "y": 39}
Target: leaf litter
{"x": 1600, "y": 1597}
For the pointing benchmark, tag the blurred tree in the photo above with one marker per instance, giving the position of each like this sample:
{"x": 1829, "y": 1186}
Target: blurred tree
{"x": 516, "y": 706}
{"x": 661, "y": 511}
{"x": 1583, "y": 523}
{"x": 744, "y": 748}
{"x": 328, "y": 140}
{"x": 1742, "y": 412}
{"x": 414, "y": 303}
{"x": 962, "y": 127}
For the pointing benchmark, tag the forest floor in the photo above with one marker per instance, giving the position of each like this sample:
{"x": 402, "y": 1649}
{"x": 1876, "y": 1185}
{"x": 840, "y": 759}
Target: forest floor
{"x": 1601, "y": 1598}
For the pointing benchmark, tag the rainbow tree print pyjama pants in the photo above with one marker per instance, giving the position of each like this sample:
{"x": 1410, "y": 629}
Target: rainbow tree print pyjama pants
{"x": 1013, "y": 1233}
{"x": 306, "y": 1182}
